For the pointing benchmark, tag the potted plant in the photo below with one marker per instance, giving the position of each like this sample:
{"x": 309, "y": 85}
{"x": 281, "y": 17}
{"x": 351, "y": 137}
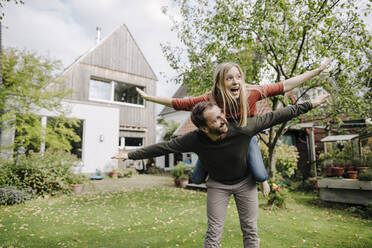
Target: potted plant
{"x": 328, "y": 167}
{"x": 114, "y": 174}
{"x": 349, "y": 165}
{"x": 180, "y": 173}
{"x": 362, "y": 165}
{"x": 338, "y": 169}
{"x": 352, "y": 174}
{"x": 77, "y": 183}
{"x": 184, "y": 180}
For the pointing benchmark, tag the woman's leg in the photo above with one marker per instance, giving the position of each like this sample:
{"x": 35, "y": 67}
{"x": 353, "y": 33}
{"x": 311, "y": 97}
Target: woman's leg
{"x": 255, "y": 161}
{"x": 198, "y": 174}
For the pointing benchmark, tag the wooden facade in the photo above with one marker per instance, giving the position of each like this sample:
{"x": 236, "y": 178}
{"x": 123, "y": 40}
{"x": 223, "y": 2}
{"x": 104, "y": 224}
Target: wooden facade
{"x": 117, "y": 60}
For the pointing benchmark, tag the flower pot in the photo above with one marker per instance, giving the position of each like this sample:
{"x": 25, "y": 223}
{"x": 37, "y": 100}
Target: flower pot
{"x": 361, "y": 169}
{"x": 329, "y": 171}
{"x": 338, "y": 171}
{"x": 184, "y": 182}
{"x": 114, "y": 174}
{"x": 77, "y": 188}
{"x": 177, "y": 182}
{"x": 349, "y": 168}
{"x": 352, "y": 174}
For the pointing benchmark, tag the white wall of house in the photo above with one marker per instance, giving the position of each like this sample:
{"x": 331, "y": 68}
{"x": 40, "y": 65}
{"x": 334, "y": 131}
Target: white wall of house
{"x": 100, "y": 133}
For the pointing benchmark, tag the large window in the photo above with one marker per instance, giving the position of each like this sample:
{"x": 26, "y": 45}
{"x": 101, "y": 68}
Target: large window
{"x": 100, "y": 90}
{"x": 130, "y": 142}
{"x": 114, "y": 92}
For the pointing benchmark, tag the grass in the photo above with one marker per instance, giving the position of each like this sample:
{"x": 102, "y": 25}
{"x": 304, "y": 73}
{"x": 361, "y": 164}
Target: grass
{"x": 171, "y": 217}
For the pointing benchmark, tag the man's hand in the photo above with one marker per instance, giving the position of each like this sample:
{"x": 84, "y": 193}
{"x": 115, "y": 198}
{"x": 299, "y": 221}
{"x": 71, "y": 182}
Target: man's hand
{"x": 122, "y": 155}
{"x": 265, "y": 188}
{"x": 319, "y": 100}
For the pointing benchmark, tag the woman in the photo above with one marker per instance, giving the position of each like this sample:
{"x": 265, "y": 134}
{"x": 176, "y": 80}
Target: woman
{"x": 238, "y": 101}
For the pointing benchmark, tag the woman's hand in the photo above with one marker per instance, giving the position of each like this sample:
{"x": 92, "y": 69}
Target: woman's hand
{"x": 142, "y": 93}
{"x": 322, "y": 67}
{"x": 157, "y": 99}
{"x": 265, "y": 188}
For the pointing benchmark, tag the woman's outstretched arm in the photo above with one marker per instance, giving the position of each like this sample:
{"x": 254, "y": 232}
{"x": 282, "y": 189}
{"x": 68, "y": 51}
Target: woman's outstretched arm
{"x": 185, "y": 104}
{"x": 294, "y": 82}
{"x": 157, "y": 99}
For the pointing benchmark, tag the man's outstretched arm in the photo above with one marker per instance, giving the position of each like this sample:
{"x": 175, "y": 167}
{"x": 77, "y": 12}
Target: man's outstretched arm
{"x": 259, "y": 123}
{"x": 180, "y": 144}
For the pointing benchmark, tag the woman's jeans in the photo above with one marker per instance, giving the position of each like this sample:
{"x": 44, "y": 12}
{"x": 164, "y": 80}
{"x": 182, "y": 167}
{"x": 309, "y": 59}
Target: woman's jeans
{"x": 254, "y": 163}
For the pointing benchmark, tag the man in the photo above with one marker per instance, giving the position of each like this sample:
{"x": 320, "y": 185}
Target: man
{"x": 222, "y": 150}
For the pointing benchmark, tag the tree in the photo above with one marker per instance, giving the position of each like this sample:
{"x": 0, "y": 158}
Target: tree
{"x": 27, "y": 87}
{"x": 170, "y": 128}
{"x": 3, "y": 3}
{"x": 276, "y": 40}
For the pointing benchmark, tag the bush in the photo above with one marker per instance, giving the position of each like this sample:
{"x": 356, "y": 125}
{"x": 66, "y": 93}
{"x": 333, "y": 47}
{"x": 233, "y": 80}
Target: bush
{"x": 277, "y": 196}
{"x": 365, "y": 176}
{"x": 127, "y": 172}
{"x": 308, "y": 185}
{"x": 11, "y": 195}
{"x": 44, "y": 174}
{"x": 286, "y": 158}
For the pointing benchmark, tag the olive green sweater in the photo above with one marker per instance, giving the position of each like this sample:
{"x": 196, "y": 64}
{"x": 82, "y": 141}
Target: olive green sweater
{"x": 225, "y": 160}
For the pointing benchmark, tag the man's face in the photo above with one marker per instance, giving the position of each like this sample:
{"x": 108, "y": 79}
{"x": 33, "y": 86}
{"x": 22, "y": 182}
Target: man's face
{"x": 216, "y": 121}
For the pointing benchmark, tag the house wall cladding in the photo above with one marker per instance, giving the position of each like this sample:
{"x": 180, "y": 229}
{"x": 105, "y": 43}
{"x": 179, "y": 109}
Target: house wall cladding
{"x": 117, "y": 58}
{"x": 125, "y": 55}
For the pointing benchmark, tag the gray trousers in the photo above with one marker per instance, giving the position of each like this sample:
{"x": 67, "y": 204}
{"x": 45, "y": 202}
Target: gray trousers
{"x": 218, "y": 196}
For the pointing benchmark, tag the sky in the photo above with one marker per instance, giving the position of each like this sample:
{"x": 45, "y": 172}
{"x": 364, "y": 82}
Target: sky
{"x": 66, "y": 29}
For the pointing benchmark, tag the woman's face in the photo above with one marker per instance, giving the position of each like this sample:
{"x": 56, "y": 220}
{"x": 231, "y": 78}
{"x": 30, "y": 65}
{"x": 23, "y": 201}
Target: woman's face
{"x": 233, "y": 82}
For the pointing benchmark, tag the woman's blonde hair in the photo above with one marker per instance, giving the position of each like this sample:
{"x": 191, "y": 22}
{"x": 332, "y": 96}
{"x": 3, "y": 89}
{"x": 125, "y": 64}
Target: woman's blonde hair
{"x": 223, "y": 98}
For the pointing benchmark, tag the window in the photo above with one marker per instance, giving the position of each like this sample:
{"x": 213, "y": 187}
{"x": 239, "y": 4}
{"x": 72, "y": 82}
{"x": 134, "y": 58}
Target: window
{"x": 114, "y": 92}
{"x": 129, "y": 142}
{"x": 127, "y": 93}
{"x": 99, "y": 90}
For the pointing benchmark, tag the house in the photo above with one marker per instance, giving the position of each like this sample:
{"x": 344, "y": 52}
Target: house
{"x": 167, "y": 162}
{"x": 104, "y": 97}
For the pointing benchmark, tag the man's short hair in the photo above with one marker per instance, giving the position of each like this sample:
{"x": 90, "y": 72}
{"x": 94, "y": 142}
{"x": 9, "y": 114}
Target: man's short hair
{"x": 197, "y": 116}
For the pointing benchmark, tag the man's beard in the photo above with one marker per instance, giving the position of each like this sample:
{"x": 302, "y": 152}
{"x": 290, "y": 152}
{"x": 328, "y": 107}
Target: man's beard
{"x": 215, "y": 131}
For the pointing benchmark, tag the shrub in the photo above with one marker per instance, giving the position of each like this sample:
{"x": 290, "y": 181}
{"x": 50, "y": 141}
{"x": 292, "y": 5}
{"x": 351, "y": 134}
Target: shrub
{"x": 286, "y": 158}
{"x": 277, "y": 196}
{"x": 365, "y": 176}
{"x": 127, "y": 172}
{"x": 11, "y": 195}
{"x": 307, "y": 185}
{"x": 44, "y": 174}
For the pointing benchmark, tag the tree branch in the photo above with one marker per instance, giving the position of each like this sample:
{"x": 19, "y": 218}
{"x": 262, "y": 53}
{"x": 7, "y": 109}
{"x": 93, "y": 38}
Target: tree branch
{"x": 299, "y": 50}
{"x": 278, "y": 133}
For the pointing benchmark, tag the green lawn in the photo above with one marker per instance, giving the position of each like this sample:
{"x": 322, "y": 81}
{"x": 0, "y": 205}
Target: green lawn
{"x": 170, "y": 217}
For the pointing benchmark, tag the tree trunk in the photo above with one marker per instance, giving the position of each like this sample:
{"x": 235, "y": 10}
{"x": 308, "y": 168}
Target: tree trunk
{"x": 271, "y": 162}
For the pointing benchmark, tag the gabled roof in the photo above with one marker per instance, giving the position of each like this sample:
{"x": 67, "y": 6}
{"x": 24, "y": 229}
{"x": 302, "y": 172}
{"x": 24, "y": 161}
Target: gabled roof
{"x": 180, "y": 93}
{"x": 185, "y": 127}
{"x": 119, "y": 52}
